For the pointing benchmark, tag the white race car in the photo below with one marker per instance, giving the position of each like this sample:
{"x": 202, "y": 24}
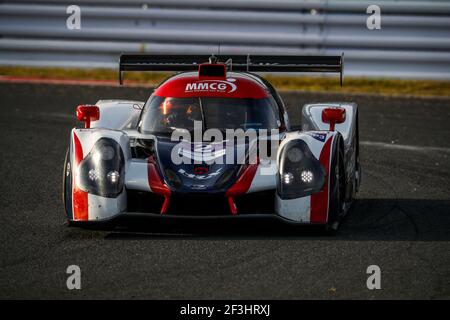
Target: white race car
{"x": 139, "y": 158}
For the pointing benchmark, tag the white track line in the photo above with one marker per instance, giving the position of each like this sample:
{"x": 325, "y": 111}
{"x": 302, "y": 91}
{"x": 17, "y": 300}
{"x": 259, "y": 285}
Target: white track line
{"x": 404, "y": 147}
{"x": 61, "y": 115}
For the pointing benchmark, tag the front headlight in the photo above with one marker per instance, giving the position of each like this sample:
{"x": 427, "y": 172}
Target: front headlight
{"x": 300, "y": 173}
{"x": 101, "y": 172}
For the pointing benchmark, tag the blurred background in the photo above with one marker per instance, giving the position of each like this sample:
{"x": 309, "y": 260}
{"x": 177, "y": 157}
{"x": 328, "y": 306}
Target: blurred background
{"x": 413, "y": 42}
{"x": 400, "y": 222}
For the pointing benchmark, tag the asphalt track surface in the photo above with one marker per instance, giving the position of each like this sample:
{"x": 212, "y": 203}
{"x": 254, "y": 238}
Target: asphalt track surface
{"x": 401, "y": 221}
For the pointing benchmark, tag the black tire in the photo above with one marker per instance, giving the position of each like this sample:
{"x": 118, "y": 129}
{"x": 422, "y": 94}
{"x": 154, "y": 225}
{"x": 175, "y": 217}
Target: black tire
{"x": 67, "y": 187}
{"x": 357, "y": 163}
{"x": 337, "y": 186}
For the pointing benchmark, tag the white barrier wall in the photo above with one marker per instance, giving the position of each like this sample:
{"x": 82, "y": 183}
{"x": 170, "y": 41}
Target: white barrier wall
{"x": 413, "y": 42}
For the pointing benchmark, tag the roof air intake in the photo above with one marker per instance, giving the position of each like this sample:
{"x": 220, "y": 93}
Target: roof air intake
{"x": 217, "y": 70}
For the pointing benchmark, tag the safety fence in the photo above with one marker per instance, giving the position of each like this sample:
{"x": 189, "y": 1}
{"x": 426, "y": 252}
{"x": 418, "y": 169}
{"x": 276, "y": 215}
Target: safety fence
{"x": 413, "y": 39}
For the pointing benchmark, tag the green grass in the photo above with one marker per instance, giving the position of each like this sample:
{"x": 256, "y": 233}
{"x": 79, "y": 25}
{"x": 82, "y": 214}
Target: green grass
{"x": 303, "y": 83}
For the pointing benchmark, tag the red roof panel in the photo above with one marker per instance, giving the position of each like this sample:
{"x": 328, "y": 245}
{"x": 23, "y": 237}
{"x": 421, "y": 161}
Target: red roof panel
{"x": 191, "y": 85}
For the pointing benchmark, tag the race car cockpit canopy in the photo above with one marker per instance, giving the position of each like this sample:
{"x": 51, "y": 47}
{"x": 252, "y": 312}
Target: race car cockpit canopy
{"x": 163, "y": 115}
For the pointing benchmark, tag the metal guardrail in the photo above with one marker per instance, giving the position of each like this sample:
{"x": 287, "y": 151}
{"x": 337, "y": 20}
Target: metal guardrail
{"x": 414, "y": 39}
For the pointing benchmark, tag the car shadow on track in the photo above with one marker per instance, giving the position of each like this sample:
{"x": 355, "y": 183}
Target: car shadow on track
{"x": 369, "y": 219}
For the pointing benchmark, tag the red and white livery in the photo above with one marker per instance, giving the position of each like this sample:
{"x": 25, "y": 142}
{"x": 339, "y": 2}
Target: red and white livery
{"x": 214, "y": 140}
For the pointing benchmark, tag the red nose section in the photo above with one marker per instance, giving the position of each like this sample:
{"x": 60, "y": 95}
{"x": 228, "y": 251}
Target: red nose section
{"x": 88, "y": 113}
{"x": 333, "y": 116}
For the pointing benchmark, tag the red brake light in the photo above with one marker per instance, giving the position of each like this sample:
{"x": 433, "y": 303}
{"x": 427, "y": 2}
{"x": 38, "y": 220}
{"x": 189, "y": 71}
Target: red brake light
{"x": 88, "y": 113}
{"x": 333, "y": 116}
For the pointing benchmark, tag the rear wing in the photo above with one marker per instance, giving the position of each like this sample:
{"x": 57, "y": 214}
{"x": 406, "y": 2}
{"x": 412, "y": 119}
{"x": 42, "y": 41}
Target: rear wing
{"x": 249, "y": 63}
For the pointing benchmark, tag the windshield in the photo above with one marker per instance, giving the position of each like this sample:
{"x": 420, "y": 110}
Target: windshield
{"x": 164, "y": 115}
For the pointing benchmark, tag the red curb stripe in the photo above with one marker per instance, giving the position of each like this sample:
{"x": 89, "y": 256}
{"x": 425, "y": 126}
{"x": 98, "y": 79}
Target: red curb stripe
{"x": 36, "y": 80}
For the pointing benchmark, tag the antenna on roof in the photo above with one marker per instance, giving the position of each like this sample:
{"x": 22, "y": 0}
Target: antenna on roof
{"x": 213, "y": 59}
{"x": 229, "y": 63}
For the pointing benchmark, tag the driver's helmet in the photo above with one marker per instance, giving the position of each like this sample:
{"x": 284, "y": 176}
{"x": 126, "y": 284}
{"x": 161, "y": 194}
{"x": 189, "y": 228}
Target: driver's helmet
{"x": 179, "y": 114}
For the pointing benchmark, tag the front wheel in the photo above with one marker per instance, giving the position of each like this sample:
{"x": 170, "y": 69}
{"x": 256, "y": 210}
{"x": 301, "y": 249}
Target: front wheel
{"x": 67, "y": 186}
{"x": 337, "y": 187}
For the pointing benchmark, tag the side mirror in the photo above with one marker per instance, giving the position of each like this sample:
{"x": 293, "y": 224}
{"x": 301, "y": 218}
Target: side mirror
{"x": 333, "y": 116}
{"x": 88, "y": 113}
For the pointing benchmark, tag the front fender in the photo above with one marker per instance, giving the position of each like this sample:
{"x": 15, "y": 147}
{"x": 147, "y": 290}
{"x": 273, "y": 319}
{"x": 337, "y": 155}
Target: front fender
{"x": 86, "y": 206}
{"x": 313, "y": 208}
{"x": 312, "y": 120}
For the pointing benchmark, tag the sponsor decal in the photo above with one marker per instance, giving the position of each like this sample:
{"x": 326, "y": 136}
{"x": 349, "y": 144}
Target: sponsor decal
{"x": 318, "y": 136}
{"x": 201, "y": 170}
{"x": 197, "y": 187}
{"x": 223, "y": 86}
{"x": 197, "y": 176}
{"x": 229, "y": 148}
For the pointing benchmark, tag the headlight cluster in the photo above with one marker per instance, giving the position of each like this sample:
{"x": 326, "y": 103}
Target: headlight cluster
{"x": 300, "y": 173}
{"x": 101, "y": 172}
